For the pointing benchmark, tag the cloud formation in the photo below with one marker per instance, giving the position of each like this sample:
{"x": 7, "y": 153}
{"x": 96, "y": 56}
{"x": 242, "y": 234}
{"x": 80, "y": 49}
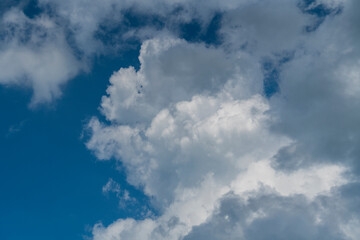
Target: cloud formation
{"x": 64, "y": 36}
{"x": 34, "y": 53}
{"x": 59, "y": 40}
{"x": 219, "y": 160}
{"x": 193, "y": 126}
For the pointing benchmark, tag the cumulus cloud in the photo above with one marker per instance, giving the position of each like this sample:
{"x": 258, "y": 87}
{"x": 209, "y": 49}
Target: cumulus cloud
{"x": 187, "y": 154}
{"x": 218, "y": 159}
{"x": 195, "y": 213}
{"x": 192, "y": 126}
{"x": 172, "y": 71}
{"x": 182, "y": 145}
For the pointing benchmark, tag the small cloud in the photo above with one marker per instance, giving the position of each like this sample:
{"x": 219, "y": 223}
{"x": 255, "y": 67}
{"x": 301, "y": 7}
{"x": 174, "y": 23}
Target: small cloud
{"x": 123, "y": 195}
{"x": 111, "y": 186}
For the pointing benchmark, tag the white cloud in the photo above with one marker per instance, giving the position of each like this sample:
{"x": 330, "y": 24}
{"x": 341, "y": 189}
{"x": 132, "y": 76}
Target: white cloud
{"x": 171, "y": 71}
{"x": 219, "y": 160}
{"x": 196, "y": 206}
{"x": 34, "y": 53}
{"x": 183, "y": 144}
{"x": 309, "y": 181}
{"x": 187, "y": 155}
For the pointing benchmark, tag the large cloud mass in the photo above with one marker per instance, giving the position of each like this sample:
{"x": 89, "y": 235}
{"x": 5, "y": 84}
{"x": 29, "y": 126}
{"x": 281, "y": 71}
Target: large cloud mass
{"x": 219, "y": 160}
{"x": 252, "y": 136}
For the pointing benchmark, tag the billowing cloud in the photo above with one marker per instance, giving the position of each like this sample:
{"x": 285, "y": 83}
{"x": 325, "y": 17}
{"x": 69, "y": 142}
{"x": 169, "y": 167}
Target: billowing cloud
{"x": 185, "y": 144}
{"x": 183, "y": 115}
{"x": 205, "y": 147}
{"x": 172, "y": 71}
{"x": 216, "y": 211}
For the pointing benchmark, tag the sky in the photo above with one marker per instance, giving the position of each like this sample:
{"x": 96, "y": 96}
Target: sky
{"x": 179, "y": 120}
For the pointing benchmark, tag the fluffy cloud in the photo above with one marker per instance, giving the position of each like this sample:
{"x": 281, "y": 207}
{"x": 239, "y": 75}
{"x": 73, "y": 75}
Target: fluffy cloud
{"x": 34, "y": 53}
{"x": 185, "y": 143}
{"x": 183, "y": 115}
{"x": 186, "y": 155}
{"x": 216, "y": 211}
{"x": 172, "y": 71}
{"x": 219, "y": 160}
{"x": 192, "y": 126}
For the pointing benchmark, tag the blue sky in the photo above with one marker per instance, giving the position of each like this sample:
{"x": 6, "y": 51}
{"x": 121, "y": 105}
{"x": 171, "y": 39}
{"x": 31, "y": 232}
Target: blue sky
{"x": 179, "y": 120}
{"x": 49, "y": 177}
